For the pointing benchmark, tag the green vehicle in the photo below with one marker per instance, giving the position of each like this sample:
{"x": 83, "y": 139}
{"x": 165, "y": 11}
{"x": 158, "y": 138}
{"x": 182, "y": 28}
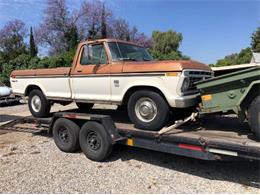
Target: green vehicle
{"x": 237, "y": 92}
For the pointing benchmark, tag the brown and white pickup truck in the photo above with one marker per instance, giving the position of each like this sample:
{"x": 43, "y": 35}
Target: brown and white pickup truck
{"x": 115, "y": 72}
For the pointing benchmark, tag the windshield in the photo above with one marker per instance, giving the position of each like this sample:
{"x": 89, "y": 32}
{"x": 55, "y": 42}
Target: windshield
{"x": 124, "y": 51}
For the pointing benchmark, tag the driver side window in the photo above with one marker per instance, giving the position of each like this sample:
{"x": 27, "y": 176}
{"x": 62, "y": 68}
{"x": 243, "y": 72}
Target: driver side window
{"x": 95, "y": 55}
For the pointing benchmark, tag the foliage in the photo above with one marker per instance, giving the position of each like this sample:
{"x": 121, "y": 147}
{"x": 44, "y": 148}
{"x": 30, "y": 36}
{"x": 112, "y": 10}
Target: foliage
{"x": 94, "y": 20}
{"x": 103, "y": 22}
{"x": 32, "y": 49}
{"x": 166, "y": 45}
{"x": 12, "y": 40}
{"x": 243, "y": 57}
{"x": 255, "y": 40}
{"x": 4, "y": 76}
{"x": 58, "y": 30}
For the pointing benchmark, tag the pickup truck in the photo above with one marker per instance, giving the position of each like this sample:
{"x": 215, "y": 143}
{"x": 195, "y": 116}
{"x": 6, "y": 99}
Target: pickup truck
{"x": 115, "y": 72}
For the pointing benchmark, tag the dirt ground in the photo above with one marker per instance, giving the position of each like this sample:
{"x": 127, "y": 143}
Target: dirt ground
{"x": 31, "y": 163}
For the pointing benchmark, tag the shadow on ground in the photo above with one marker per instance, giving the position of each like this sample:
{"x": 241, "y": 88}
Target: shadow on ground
{"x": 5, "y": 118}
{"x": 243, "y": 172}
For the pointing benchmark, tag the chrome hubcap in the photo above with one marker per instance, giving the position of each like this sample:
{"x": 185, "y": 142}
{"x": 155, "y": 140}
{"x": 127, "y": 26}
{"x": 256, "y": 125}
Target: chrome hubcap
{"x": 36, "y": 103}
{"x": 146, "y": 109}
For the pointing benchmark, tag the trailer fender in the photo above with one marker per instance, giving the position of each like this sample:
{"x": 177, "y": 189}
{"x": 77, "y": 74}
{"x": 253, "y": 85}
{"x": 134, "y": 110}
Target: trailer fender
{"x": 250, "y": 93}
{"x": 82, "y": 118}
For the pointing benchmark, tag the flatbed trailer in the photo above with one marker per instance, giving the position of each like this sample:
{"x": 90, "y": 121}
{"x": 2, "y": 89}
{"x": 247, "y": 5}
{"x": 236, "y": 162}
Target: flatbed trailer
{"x": 9, "y": 100}
{"x": 97, "y": 134}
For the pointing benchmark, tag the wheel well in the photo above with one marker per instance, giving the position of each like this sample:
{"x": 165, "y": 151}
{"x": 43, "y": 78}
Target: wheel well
{"x": 131, "y": 90}
{"x": 30, "y": 88}
{"x": 251, "y": 95}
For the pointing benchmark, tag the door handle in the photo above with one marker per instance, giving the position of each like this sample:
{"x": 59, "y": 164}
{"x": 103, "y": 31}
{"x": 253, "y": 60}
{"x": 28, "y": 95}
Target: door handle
{"x": 79, "y": 70}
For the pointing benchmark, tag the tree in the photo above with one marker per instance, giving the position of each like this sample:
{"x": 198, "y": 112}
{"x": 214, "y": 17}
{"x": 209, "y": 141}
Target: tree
{"x": 94, "y": 19}
{"x": 33, "y": 49}
{"x": 166, "y": 45}
{"x": 243, "y": 57}
{"x": 57, "y": 28}
{"x": 103, "y": 22}
{"x": 72, "y": 38}
{"x": 12, "y": 40}
{"x": 140, "y": 38}
{"x": 255, "y": 40}
{"x": 120, "y": 29}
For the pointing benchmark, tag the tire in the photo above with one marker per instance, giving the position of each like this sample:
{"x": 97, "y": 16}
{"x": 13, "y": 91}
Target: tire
{"x": 94, "y": 141}
{"x": 254, "y": 116}
{"x": 66, "y": 135}
{"x": 84, "y": 107}
{"x": 122, "y": 107}
{"x": 39, "y": 106}
{"x": 142, "y": 102}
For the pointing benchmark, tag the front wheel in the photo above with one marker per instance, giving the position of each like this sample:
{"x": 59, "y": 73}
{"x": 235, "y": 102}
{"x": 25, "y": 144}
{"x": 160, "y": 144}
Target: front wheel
{"x": 39, "y": 106}
{"x": 254, "y": 116}
{"x": 148, "y": 110}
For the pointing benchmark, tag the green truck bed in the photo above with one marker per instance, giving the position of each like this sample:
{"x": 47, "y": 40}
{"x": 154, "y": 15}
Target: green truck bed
{"x": 229, "y": 92}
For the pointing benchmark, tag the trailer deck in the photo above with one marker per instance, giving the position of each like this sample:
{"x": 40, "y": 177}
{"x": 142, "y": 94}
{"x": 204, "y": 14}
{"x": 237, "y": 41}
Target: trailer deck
{"x": 213, "y": 138}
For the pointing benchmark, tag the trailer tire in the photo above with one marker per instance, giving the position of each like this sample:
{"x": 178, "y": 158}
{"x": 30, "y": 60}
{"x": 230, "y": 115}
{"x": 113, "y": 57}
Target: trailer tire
{"x": 39, "y": 106}
{"x": 66, "y": 135}
{"x": 254, "y": 116}
{"x": 94, "y": 141}
{"x": 84, "y": 106}
{"x": 148, "y": 110}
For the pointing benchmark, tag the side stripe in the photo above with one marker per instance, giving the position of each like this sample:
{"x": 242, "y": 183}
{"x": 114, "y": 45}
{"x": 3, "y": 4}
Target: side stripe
{"x": 93, "y": 75}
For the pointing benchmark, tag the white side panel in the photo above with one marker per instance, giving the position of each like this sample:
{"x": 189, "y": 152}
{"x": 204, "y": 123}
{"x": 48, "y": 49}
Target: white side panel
{"x": 51, "y": 87}
{"x": 91, "y": 88}
{"x": 167, "y": 85}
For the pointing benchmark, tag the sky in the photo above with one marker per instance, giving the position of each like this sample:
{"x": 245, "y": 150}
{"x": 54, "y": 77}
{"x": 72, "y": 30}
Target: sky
{"x": 211, "y": 29}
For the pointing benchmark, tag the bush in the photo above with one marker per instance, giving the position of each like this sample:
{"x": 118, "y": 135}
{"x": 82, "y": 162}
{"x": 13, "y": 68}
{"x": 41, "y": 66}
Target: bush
{"x": 7, "y": 69}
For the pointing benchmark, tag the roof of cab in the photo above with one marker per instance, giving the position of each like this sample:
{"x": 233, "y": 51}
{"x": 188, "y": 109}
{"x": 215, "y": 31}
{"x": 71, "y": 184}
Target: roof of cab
{"x": 109, "y": 40}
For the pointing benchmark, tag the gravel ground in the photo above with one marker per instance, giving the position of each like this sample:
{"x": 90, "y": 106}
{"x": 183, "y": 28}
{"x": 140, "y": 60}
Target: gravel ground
{"x": 31, "y": 163}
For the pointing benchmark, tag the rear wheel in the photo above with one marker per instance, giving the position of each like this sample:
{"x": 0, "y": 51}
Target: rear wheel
{"x": 84, "y": 107}
{"x": 39, "y": 106}
{"x": 254, "y": 116}
{"x": 94, "y": 141}
{"x": 148, "y": 110}
{"x": 66, "y": 135}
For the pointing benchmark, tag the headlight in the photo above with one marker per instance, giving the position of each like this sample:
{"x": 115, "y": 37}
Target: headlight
{"x": 185, "y": 84}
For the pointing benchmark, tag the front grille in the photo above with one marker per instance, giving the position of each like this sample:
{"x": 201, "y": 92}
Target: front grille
{"x": 196, "y": 76}
{"x": 193, "y": 80}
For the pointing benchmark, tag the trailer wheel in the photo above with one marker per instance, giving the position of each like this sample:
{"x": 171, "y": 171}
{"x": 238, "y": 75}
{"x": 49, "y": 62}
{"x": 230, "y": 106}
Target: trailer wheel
{"x": 66, "y": 135}
{"x": 148, "y": 110}
{"x": 84, "y": 106}
{"x": 254, "y": 116}
{"x": 94, "y": 141}
{"x": 39, "y": 106}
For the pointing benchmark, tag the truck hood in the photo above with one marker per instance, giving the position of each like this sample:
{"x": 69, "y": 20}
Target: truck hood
{"x": 164, "y": 66}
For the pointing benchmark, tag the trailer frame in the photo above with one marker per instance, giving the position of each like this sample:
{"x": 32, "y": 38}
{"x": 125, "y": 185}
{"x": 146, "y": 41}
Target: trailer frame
{"x": 185, "y": 144}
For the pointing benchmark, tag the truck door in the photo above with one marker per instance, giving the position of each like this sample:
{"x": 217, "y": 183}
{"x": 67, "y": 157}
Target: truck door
{"x": 90, "y": 79}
